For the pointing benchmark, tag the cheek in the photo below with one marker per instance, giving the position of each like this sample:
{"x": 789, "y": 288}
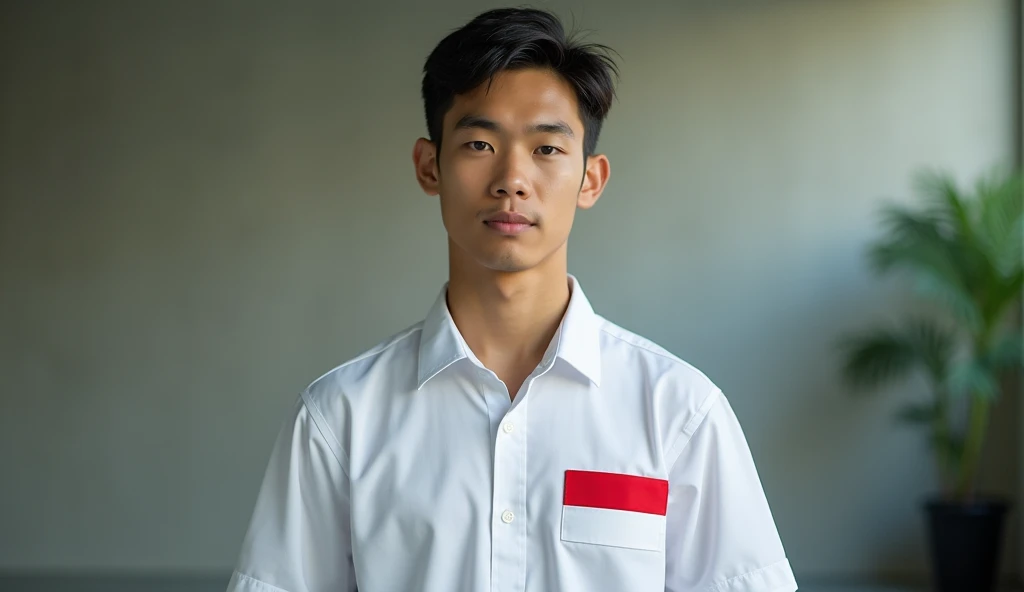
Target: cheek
{"x": 565, "y": 184}
{"x": 463, "y": 182}
{"x": 566, "y": 177}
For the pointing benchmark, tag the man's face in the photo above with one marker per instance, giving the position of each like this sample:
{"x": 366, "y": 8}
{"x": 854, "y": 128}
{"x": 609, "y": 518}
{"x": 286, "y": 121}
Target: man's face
{"x": 516, "y": 148}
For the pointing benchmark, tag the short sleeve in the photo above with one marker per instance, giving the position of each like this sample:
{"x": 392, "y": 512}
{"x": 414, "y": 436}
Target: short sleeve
{"x": 299, "y": 537}
{"x": 720, "y": 534}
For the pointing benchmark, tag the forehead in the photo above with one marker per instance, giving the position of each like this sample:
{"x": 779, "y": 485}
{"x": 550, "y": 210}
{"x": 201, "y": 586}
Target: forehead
{"x": 520, "y": 97}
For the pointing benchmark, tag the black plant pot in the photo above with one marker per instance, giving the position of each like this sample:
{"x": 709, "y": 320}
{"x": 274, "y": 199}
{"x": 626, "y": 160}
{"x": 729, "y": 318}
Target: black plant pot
{"x": 965, "y": 543}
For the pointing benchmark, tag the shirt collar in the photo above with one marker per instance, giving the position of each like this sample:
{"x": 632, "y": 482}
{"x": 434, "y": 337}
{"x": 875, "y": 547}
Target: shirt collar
{"x": 577, "y": 340}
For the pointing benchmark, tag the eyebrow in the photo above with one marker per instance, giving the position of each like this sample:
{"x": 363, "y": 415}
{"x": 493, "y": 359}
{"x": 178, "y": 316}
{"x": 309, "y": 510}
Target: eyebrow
{"x": 476, "y": 122}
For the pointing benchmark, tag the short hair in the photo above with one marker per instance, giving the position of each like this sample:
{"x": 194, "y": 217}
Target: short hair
{"x": 513, "y": 39}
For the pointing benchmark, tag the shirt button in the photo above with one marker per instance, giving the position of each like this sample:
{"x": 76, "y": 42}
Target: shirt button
{"x": 508, "y": 427}
{"x": 507, "y": 517}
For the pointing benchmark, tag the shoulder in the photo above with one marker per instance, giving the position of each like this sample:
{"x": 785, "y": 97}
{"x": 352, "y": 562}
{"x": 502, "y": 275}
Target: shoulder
{"x": 393, "y": 358}
{"x": 624, "y": 346}
{"x": 679, "y": 394}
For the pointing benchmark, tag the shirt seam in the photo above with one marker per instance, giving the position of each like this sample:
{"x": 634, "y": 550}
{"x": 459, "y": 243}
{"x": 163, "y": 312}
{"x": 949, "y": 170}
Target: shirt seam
{"x": 380, "y": 348}
{"x": 332, "y": 441}
{"x": 259, "y": 583}
{"x": 662, "y": 354}
{"x": 723, "y": 586}
{"x": 675, "y": 450}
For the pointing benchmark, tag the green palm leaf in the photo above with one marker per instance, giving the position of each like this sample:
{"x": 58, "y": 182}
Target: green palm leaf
{"x": 917, "y": 244}
{"x": 1000, "y": 223}
{"x": 933, "y": 343}
{"x": 971, "y": 378}
{"x": 943, "y": 203}
{"x": 876, "y": 357}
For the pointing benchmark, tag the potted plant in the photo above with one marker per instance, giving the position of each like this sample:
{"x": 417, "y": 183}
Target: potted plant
{"x": 963, "y": 252}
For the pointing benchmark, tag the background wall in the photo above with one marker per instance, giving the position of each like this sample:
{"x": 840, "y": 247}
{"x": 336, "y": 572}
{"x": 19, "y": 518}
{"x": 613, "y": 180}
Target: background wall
{"x": 203, "y": 206}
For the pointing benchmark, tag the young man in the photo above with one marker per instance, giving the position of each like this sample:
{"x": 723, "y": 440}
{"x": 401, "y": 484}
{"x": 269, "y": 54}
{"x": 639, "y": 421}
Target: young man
{"x": 514, "y": 440}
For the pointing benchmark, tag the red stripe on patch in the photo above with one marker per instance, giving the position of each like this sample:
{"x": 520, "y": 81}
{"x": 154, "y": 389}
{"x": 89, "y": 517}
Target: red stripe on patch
{"x": 616, "y": 491}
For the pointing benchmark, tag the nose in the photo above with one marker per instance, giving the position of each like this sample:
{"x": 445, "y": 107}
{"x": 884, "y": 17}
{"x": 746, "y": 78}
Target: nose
{"x": 511, "y": 180}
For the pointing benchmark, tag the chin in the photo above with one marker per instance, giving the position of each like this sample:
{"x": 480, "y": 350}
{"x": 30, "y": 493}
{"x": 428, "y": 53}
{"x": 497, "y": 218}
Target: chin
{"x": 507, "y": 262}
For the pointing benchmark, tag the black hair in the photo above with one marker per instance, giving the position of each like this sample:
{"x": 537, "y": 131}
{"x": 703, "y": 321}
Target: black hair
{"x": 512, "y": 39}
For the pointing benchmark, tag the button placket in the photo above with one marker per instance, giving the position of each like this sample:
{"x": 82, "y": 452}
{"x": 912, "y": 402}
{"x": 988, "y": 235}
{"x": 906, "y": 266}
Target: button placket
{"x": 508, "y": 542}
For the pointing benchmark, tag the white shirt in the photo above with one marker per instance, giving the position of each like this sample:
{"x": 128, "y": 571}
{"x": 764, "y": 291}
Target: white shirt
{"x": 616, "y": 467}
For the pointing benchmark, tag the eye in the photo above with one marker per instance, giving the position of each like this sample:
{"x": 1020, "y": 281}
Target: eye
{"x": 548, "y": 150}
{"x": 478, "y": 146}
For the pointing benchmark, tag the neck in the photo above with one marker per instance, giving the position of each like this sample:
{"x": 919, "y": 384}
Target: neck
{"x": 508, "y": 318}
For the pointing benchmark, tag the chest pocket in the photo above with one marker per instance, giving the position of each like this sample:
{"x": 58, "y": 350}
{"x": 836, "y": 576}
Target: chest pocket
{"x": 614, "y": 509}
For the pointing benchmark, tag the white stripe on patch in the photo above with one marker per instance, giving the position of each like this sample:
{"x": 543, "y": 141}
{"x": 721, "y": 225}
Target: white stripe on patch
{"x": 616, "y": 528}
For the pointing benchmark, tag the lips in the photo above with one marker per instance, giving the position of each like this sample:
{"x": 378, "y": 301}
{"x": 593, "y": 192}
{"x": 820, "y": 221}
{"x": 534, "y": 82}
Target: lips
{"x": 509, "y": 223}
{"x": 509, "y": 218}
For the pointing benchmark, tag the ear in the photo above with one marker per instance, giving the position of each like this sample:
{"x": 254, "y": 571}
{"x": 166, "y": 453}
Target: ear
{"x": 424, "y": 158}
{"x": 594, "y": 180}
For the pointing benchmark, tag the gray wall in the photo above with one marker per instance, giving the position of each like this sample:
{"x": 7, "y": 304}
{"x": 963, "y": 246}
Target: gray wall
{"x": 203, "y": 207}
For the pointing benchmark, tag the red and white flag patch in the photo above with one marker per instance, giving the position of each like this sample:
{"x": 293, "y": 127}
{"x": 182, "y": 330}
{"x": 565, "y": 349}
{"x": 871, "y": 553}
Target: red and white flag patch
{"x": 614, "y": 509}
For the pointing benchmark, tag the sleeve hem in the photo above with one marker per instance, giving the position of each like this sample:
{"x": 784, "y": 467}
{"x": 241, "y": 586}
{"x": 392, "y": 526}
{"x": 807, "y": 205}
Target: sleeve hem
{"x": 777, "y": 577}
{"x": 244, "y": 583}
